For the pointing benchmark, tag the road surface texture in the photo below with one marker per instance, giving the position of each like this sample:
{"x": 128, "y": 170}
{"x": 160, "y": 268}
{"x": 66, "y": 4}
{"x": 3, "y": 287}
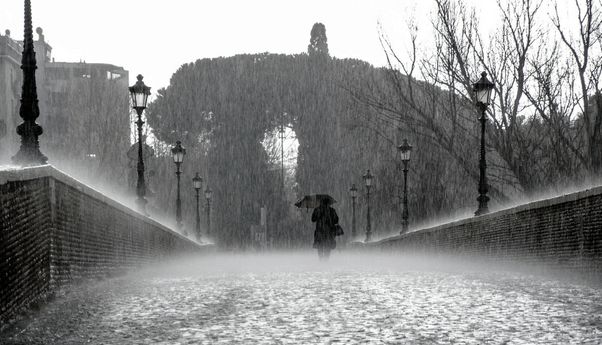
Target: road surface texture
{"x": 295, "y": 299}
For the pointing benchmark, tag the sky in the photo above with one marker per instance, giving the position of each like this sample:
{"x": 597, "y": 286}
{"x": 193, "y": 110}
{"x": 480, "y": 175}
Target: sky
{"x": 154, "y": 38}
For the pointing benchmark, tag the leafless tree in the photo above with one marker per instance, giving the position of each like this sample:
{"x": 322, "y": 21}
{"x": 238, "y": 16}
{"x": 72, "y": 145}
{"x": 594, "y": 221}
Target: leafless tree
{"x": 546, "y": 119}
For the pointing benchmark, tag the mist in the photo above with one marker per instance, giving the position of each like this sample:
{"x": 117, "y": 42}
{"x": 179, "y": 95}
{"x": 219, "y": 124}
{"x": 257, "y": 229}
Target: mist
{"x": 277, "y": 176}
{"x": 354, "y": 297}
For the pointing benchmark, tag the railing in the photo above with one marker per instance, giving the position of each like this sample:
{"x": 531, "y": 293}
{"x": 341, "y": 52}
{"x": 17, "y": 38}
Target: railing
{"x": 562, "y": 234}
{"x": 55, "y": 231}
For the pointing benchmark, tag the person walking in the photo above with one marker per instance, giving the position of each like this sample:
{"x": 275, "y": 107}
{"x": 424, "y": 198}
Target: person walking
{"x": 326, "y": 219}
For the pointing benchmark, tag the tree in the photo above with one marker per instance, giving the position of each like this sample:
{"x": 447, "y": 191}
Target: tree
{"x": 318, "y": 43}
{"x": 433, "y": 94}
{"x": 580, "y": 81}
{"x": 339, "y": 138}
{"x": 92, "y": 130}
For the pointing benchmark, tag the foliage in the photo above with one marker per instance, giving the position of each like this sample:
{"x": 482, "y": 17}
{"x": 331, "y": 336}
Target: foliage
{"x": 91, "y": 130}
{"x": 318, "y": 43}
{"x": 544, "y": 123}
{"x": 349, "y": 116}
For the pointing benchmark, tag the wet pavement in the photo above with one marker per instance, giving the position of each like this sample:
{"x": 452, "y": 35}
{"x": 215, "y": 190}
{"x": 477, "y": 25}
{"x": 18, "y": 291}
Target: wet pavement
{"x": 294, "y": 299}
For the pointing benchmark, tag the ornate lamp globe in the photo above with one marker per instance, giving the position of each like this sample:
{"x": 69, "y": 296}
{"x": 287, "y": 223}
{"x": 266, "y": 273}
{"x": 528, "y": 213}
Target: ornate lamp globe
{"x": 368, "y": 178}
{"x": 353, "y": 191}
{"x": 197, "y": 182}
{"x": 482, "y": 90}
{"x": 178, "y": 152}
{"x": 405, "y": 149}
{"x": 139, "y": 93}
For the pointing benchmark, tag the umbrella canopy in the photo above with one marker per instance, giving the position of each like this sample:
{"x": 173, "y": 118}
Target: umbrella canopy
{"x": 313, "y": 201}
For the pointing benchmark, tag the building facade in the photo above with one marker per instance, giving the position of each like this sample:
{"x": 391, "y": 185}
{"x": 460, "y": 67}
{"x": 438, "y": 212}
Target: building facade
{"x": 10, "y": 91}
{"x": 84, "y": 109}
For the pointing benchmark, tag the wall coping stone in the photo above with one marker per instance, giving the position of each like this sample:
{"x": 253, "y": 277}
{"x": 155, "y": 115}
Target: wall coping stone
{"x": 10, "y": 174}
{"x": 569, "y": 197}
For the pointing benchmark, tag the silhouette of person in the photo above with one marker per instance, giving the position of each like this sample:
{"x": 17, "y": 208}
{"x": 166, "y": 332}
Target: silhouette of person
{"x": 326, "y": 219}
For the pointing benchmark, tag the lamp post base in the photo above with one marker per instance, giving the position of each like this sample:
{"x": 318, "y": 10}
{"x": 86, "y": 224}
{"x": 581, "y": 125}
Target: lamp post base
{"x": 29, "y": 153}
{"x": 141, "y": 205}
{"x": 483, "y": 209}
{"x": 182, "y": 229}
{"x": 27, "y": 157}
{"x": 404, "y": 228}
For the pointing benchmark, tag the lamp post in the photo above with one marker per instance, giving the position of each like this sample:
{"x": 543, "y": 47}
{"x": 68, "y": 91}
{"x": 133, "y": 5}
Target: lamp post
{"x": 197, "y": 182}
{"x": 368, "y": 180}
{"x": 139, "y": 94}
{"x": 29, "y": 152}
{"x": 405, "y": 150}
{"x": 353, "y": 192}
{"x": 482, "y": 90}
{"x": 178, "y": 153}
{"x": 282, "y": 152}
{"x": 208, "y": 194}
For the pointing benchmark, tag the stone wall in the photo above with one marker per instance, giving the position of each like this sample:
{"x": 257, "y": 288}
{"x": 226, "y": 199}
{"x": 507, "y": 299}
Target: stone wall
{"x": 55, "y": 231}
{"x": 560, "y": 234}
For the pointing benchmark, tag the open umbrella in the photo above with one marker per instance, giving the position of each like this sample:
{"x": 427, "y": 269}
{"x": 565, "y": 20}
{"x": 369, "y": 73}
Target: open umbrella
{"x": 313, "y": 201}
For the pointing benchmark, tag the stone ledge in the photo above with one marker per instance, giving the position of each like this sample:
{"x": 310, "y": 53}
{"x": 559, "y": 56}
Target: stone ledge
{"x": 11, "y": 174}
{"x": 570, "y": 197}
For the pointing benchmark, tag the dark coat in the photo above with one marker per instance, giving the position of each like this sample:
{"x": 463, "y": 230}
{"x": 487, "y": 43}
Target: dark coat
{"x": 325, "y": 218}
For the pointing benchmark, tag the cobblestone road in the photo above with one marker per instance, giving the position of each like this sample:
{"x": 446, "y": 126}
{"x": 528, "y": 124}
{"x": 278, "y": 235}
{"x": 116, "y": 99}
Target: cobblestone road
{"x": 293, "y": 299}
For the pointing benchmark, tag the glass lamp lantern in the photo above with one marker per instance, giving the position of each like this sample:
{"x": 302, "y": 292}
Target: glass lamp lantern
{"x": 405, "y": 150}
{"x": 139, "y": 93}
{"x": 178, "y": 153}
{"x": 353, "y": 191}
{"x": 197, "y": 182}
{"x": 482, "y": 90}
{"x": 368, "y": 178}
{"x": 208, "y": 193}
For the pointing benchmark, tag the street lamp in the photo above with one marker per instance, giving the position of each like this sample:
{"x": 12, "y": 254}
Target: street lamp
{"x": 197, "y": 182}
{"x": 353, "y": 192}
{"x": 405, "y": 150}
{"x": 368, "y": 180}
{"x": 482, "y": 90}
{"x": 139, "y": 94}
{"x": 29, "y": 152}
{"x": 208, "y": 194}
{"x": 178, "y": 153}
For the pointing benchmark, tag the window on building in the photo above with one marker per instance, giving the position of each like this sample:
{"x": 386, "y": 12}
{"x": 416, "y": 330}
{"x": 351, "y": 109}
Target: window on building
{"x": 82, "y": 73}
{"x": 113, "y": 75}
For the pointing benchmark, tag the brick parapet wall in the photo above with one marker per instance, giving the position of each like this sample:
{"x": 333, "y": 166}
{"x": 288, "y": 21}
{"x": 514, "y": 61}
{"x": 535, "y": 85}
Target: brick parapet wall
{"x": 563, "y": 233}
{"x": 55, "y": 230}
{"x": 24, "y": 244}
